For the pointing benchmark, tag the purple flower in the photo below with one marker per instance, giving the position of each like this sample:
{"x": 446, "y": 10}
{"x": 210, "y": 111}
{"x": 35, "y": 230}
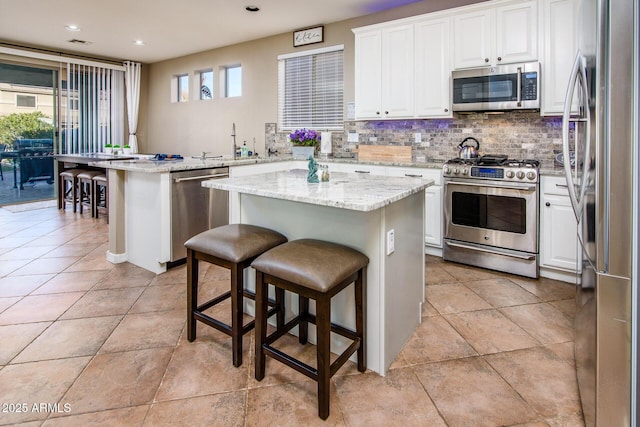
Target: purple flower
{"x": 304, "y": 137}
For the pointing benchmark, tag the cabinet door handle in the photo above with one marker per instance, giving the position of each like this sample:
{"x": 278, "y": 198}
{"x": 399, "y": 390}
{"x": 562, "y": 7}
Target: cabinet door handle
{"x": 446, "y": 110}
{"x": 362, "y": 171}
{"x": 486, "y": 59}
{"x": 413, "y": 175}
{"x": 562, "y": 185}
{"x": 386, "y": 112}
{"x": 499, "y": 58}
{"x": 547, "y": 204}
{"x": 378, "y": 112}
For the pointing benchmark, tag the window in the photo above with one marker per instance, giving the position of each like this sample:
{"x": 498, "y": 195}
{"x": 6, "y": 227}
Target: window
{"x": 311, "y": 89}
{"x": 206, "y": 84}
{"x": 233, "y": 81}
{"x": 28, "y": 101}
{"x": 180, "y": 88}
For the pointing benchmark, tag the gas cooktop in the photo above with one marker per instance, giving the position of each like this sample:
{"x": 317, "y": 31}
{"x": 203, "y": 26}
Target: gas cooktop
{"x": 495, "y": 167}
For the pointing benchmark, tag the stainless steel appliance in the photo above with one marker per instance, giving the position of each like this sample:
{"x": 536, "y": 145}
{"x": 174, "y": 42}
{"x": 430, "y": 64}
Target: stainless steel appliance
{"x": 502, "y": 87}
{"x": 491, "y": 213}
{"x": 601, "y": 108}
{"x": 195, "y": 208}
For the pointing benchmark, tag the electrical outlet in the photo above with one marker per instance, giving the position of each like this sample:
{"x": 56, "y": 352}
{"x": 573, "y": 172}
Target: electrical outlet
{"x": 352, "y": 137}
{"x": 391, "y": 243}
{"x": 417, "y": 137}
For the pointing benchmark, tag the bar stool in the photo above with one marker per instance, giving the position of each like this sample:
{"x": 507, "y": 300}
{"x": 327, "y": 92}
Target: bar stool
{"x": 68, "y": 191}
{"x": 100, "y": 195}
{"x": 316, "y": 270}
{"x": 85, "y": 184}
{"x": 232, "y": 246}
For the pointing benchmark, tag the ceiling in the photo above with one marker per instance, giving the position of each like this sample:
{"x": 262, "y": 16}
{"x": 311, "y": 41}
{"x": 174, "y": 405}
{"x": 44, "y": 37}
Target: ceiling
{"x": 168, "y": 28}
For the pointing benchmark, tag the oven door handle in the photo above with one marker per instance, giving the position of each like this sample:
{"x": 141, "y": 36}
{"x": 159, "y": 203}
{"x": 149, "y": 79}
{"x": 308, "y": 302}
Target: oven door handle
{"x": 507, "y": 187}
{"x": 473, "y": 248}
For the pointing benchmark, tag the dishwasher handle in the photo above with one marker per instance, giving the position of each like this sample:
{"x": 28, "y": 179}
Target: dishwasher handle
{"x": 194, "y": 178}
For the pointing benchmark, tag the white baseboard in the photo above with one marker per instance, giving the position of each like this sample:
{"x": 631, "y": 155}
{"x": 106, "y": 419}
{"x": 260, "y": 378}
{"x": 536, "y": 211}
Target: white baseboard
{"x": 562, "y": 275}
{"x": 430, "y": 250}
{"x": 116, "y": 258}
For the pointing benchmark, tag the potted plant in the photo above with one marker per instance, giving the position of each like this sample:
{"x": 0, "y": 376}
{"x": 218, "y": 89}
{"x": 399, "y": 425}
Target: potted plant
{"x": 108, "y": 148}
{"x": 126, "y": 149}
{"x": 116, "y": 148}
{"x": 304, "y": 142}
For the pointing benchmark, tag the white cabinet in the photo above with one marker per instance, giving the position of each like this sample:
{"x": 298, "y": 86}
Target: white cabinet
{"x": 496, "y": 35}
{"x": 560, "y": 43}
{"x": 384, "y": 71}
{"x": 357, "y": 168}
{"x": 433, "y": 68}
{"x": 558, "y": 226}
{"x": 432, "y": 200}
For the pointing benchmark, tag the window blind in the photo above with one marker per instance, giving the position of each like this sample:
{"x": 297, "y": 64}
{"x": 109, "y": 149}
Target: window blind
{"x": 94, "y": 108}
{"x": 311, "y": 90}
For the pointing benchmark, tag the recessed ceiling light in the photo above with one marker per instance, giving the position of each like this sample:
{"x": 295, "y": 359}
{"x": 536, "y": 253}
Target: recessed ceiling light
{"x": 138, "y": 42}
{"x": 252, "y": 8}
{"x": 72, "y": 28}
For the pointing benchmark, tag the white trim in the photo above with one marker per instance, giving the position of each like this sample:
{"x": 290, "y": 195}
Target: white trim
{"x": 311, "y": 52}
{"x": 117, "y": 258}
{"x": 59, "y": 58}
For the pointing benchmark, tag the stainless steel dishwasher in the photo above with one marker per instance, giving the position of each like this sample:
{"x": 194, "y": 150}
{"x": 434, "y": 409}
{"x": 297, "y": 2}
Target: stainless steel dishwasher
{"x": 195, "y": 208}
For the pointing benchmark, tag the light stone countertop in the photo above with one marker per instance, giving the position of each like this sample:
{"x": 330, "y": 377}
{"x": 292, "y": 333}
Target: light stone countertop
{"x": 145, "y": 164}
{"x": 344, "y": 190}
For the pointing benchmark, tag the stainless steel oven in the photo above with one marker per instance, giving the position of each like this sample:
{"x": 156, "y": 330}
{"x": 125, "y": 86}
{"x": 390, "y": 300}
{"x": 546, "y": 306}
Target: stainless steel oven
{"x": 491, "y": 216}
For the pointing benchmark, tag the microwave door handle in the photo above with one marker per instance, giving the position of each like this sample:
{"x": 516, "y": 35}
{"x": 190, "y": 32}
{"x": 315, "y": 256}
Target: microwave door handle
{"x": 519, "y": 87}
{"x": 566, "y": 120}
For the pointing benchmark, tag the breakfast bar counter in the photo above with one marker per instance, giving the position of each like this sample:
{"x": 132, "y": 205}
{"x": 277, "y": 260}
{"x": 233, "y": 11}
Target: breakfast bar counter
{"x": 381, "y": 216}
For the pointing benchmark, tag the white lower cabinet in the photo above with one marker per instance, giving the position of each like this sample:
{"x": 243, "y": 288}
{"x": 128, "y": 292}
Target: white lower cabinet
{"x": 558, "y": 226}
{"x": 432, "y": 200}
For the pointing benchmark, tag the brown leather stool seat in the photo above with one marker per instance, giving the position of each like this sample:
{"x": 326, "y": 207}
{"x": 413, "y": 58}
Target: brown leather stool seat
{"x": 68, "y": 190}
{"x": 85, "y": 185}
{"x": 232, "y": 246}
{"x": 316, "y": 270}
{"x": 100, "y": 195}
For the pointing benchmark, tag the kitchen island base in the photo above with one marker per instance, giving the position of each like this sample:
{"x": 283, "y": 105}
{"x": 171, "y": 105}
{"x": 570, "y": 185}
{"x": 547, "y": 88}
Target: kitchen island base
{"x": 395, "y": 282}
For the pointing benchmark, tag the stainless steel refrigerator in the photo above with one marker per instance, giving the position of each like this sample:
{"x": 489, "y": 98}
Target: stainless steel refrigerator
{"x": 600, "y": 125}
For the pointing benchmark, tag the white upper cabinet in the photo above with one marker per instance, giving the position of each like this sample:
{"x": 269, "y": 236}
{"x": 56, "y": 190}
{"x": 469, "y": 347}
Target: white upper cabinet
{"x": 433, "y": 68}
{"x": 384, "y": 72}
{"x": 560, "y": 43}
{"x": 496, "y": 35}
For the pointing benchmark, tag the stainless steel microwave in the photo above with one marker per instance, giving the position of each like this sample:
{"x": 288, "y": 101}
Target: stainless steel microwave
{"x": 503, "y": 87}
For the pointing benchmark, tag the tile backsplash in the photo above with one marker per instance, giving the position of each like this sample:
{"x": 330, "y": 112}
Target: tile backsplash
{"x": 519, "y": 135}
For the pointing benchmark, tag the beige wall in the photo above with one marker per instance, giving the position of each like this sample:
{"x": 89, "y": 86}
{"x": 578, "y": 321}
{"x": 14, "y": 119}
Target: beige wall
{"x": 195, "y": 126}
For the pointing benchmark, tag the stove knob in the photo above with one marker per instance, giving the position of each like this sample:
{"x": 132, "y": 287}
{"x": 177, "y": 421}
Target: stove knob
{"x": 465, "y": 171}
{"x": 447, "y": 170}
{"x": 510, "y": 174}
{"x": 531, "y": 175}
{"x": 456, "y": 171}
{"x": 520, "y": 174}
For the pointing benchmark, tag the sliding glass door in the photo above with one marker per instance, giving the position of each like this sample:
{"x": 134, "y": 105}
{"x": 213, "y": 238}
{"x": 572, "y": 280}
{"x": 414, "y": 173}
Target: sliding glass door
{"x": 28, "y": 133}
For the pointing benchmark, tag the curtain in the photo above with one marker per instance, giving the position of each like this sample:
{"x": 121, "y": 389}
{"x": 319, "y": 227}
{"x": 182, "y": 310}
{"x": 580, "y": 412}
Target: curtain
{"x": 94, "y": 108}
{"x": 132, "y": 80}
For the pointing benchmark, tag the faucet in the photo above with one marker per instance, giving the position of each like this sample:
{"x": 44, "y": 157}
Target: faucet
{"x": 233, "y": 135}
{"x": 204, "y": 155}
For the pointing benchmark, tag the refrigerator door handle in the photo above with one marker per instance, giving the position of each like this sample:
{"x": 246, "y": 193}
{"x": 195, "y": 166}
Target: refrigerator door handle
{"x": 578, "y": 76}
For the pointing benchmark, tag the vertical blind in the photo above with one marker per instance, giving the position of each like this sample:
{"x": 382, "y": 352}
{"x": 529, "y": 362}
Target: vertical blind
{"x": 311, "y": 90}
{"x": 94, "y": 108}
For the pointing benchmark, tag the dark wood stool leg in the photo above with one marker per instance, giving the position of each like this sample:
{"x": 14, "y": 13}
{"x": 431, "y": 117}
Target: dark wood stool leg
{"x": 280, "y": 315}
{"x": 61, "y": 192}
{"x": 261, "y": 324}
{"x": 74, "y": 193}
{"x": 237, "y": 288}
{"x": 323, "y": 325}
{"x": 303, "y": 325}
{"x": 360, "y": 332}
{"x": 192, "y": 293}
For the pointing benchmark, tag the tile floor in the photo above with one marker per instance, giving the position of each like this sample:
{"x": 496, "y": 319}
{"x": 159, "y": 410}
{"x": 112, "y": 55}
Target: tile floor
{"x": 85, "y": 342}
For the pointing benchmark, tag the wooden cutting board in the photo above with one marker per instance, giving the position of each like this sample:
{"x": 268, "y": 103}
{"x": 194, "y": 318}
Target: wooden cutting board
{"x": 384, "y": 153}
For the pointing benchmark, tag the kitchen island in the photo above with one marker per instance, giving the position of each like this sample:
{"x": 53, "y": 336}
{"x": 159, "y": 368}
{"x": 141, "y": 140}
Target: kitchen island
{"x": 381, "y": 216}
{"x": 141, "y": 218}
